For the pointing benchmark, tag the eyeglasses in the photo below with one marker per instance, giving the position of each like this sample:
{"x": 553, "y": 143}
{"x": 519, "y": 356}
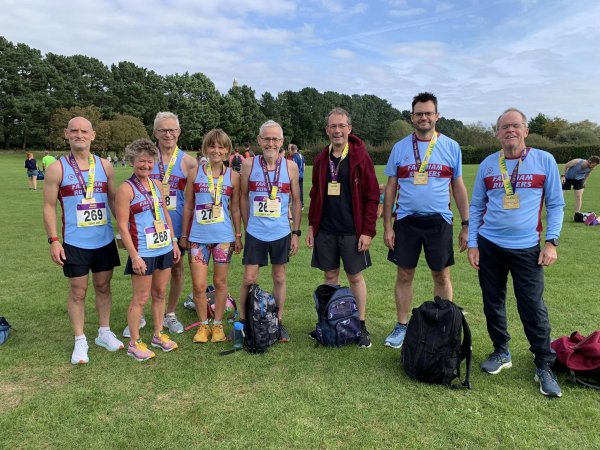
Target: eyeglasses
{"x": 516, "y": 126}
{"x": 341, "y": 126}
{"x": 424, "y": 114}
{"x": 271, "y": 140}
{"x": 168, "y": 130}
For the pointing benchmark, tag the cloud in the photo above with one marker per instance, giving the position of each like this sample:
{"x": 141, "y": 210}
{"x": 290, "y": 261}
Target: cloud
{"x": 342, "y": 53}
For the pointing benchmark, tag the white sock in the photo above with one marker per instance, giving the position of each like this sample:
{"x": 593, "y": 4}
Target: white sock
{"x": 80, "y": 338}
{"x": 103, "y": 330}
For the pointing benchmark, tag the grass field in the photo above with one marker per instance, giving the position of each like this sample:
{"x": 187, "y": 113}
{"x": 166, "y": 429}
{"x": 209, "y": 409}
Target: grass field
{"x": 295, "y": 396}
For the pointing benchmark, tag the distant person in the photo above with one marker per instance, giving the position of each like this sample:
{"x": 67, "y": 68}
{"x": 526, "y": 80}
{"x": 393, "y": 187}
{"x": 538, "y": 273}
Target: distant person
{"x": 575, "y": 173}
{"x": 212, "y": 206}
{"x": 342, "y": 214}
{"x": 381, "y": 198}
{"x": 235, "y": 160}
{"x": 248, "y": 153}
{"x": 123, "y": 161}
{"x": 47, "y": 160}
{"x": 32, "y": 171}
{"x": 268, "y": 184}
{"x": 84, "y": 185}
{"x": 147, "y": 232}
{"x": 109, "y": 159}
{"x": 297, "y": 157}
{"x": 504, "y": 237}
{"x": 424, "y": 170}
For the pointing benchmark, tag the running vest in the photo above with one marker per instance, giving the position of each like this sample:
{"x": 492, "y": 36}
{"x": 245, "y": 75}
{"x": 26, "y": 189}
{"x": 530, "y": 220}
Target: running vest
{"x": 85, "y": 226}
{"x": 141, "y": 225}
{"x": 207, "y": 228}
{"x": 176, "y": 199}
{"x": 264, "y": 224}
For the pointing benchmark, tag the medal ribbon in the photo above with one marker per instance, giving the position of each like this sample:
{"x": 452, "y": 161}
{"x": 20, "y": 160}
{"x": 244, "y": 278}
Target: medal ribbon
{"x": 217, "y": 191}
{"x": 152, "y": 196}
{"x": 333, "y": 170}
{"x": 423, "y": 164}
{"x": 272, "y": 187}
{"x": 89, "y": 188}
{"x": 166, "y": 174}
{"x": 510, "y": 182}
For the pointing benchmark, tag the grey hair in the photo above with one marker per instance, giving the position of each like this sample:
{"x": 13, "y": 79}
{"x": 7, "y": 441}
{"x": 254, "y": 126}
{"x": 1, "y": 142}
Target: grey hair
{"x": 165, "y": 115}
{"x": 341, "y": 112}
{"x": 269, "y": 124}
{"x": 140, "y": 147}
{"x": 511, "y": 110}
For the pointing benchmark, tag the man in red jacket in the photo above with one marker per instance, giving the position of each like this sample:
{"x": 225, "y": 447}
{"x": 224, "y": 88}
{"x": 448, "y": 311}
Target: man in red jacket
{"x": 343, "y": 210}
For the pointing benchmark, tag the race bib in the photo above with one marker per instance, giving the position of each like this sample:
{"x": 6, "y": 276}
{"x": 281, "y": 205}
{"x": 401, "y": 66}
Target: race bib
{"x": 208, "y": 213}
{"x": 266, "y": 207}
{"x": 91, "y": 214}
{"x": 157, "y": 239}
{"x": 170, "y": 199}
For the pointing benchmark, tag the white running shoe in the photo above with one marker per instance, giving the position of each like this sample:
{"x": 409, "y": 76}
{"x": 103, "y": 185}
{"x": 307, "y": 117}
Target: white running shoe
{"x": 127, "y": 333}
{"x": 80, "y": 352}
{"x": 171, "y": 322}
{"x": 109, "y": 341}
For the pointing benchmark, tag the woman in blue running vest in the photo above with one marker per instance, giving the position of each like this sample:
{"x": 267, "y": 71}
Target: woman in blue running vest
{"x": 146, "y": 230}
{"x": 212, "y": 206}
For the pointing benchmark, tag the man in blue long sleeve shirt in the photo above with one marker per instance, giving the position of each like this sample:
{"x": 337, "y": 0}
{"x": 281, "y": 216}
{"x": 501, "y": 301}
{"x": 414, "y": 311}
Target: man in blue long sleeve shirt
{"x": 504, "y": 236}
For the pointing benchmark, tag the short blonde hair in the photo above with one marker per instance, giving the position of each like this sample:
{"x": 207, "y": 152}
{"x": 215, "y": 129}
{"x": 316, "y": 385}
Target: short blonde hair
{"x": 216, "y": 136}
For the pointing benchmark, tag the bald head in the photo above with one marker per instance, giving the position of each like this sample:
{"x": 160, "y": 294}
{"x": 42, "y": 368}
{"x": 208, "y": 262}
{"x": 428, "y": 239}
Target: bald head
{"x": 80, "y": 134}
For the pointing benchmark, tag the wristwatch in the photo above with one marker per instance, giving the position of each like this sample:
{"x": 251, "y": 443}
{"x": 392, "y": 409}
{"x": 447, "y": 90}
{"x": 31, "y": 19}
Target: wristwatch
{"x": 297, "y": 232}
{"x": 465, "y": 223}
{"x": 52, "y": 239}
{"x": 553, "y": 241}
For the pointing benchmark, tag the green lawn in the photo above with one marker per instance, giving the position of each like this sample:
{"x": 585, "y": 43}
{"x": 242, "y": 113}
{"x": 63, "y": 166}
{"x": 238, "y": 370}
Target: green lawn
{"x": 295, "y": 396}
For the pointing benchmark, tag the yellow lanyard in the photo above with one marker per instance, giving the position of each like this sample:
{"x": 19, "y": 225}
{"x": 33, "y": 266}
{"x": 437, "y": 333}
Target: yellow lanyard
{"x": 165, "y": 180}
{"x": 335, "y": 170}
{"x": 155, "y": 200}
{"x": 89, "y": 193}
{"x": 428, "y": 153}
{"x": 506, "y": 180}
{"x": 218, "y": 191}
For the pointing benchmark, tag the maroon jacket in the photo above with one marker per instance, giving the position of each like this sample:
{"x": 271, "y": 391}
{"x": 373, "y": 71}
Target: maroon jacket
{"x": 365, "y": 188}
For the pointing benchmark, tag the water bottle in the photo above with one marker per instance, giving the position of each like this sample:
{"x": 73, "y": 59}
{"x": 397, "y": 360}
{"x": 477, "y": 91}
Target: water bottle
{"x": 238, "y": 335}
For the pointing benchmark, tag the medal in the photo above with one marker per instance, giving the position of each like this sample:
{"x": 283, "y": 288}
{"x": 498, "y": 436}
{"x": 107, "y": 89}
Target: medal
{"x": 420, "y": 178}
{"x": 334, "y": 188}
{"x": 510, "y": 201}
{"x": 159, "y": 226}
{"x": 272, "y": 205}
{"x": 216, "y": 211}
{"x": 88, "y": 201}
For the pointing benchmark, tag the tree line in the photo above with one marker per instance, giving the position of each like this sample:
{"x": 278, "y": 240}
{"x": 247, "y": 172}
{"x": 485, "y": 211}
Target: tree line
{"x": 39, "y": 93}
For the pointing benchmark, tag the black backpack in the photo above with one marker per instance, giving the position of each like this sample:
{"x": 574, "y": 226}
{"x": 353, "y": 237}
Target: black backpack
{"x": 433, "y": 350}
{"x": 337, "y": 316}
{"x": 262, "y": 325}
{"x": 236, "y": 162}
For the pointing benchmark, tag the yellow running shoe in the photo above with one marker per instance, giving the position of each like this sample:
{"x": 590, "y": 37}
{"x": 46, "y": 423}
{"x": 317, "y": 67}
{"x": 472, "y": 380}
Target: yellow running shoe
{"x": 202, "y": 334}
{"x": 163, "y": 342}
{"x": 139, "y": 351}
{"x": 218, "y": 335}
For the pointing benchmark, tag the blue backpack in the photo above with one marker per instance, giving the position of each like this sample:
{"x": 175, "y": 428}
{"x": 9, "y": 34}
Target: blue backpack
{"x": 337, "y": 316}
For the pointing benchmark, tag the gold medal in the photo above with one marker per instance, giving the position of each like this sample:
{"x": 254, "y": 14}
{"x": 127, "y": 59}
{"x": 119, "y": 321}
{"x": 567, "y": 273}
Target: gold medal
{"x": 511, "y": 201}
{"x": 87, "y": 201}
{"x": 216, "y": 211}
{"x": 420, "y": 178}
{"x": 166, "y": 189}
{"x": 159, "y": 226}
{"x": 334, "y": 188}
{"x": 272, "y": 205}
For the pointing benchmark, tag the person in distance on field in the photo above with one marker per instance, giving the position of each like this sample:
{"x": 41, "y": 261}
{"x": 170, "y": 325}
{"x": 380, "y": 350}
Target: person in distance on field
{"x": 575, "y": 173}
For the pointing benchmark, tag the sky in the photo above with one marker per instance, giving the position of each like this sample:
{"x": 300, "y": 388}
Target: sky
{"x": 478, "y": 56}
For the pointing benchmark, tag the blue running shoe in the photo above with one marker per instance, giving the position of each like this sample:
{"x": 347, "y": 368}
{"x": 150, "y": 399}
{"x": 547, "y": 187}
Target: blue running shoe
{"x": 496, "y": 362}
{"x": 548, "y": 384}
{"x": 396, "y": 337}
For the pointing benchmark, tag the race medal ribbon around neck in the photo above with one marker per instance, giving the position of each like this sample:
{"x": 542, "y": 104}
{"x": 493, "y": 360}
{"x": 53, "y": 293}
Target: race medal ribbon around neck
{"x": 334, "y": 188}
{"x": 215, "y": 191}
{"x": 272, "y": 187}
{"x": 511, "y": 199}
{"x": 89, "y": 187}
{"x": 166, "y": 174}
{"x": 421, "y": 177}
{"x": 159, "y": 223}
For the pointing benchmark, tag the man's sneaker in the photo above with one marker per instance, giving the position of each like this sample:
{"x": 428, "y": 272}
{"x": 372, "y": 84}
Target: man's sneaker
{"x": 218, "y": 335}
{"x": 364, "y": 340}
{"x": 202, "y": 334}
{"x": 109, "y": 341}
{"x": 127, "y": 333}
{"x": 174, "y": 325}
{"x": 396, "y": 337}
{"x": 139, "y": 351}
{"x": 284, "y": 336}
{"x": 80, "y": 352}
{"x": 163, "y": 342}
{"x": 496, "y": 362}
{"x": 548, "y": 384}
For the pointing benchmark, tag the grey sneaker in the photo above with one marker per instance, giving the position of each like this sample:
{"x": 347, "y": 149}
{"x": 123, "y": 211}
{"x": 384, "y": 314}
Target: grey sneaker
{"x": 496, "y": 362}
{"x": 171, "y": 322}
{"x": 127, "y": 333}
{"x": 548, "y": 384}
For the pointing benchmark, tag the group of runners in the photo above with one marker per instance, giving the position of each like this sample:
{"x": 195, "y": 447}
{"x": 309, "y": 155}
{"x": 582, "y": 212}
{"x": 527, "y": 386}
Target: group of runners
{"x": 171, "y": 206}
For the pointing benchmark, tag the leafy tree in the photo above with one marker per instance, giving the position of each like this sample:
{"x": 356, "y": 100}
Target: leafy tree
{"x": 449, "y": 127}
{"x": 231, "y": 117}
{"x": 399, "y": 129}
{"x": 554, "y": 126}
{"x": 539, "y": 141}
{"x": 475, "y": 135}
{"x": 59, "y": 120}
{"x": 536, "y": 124}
